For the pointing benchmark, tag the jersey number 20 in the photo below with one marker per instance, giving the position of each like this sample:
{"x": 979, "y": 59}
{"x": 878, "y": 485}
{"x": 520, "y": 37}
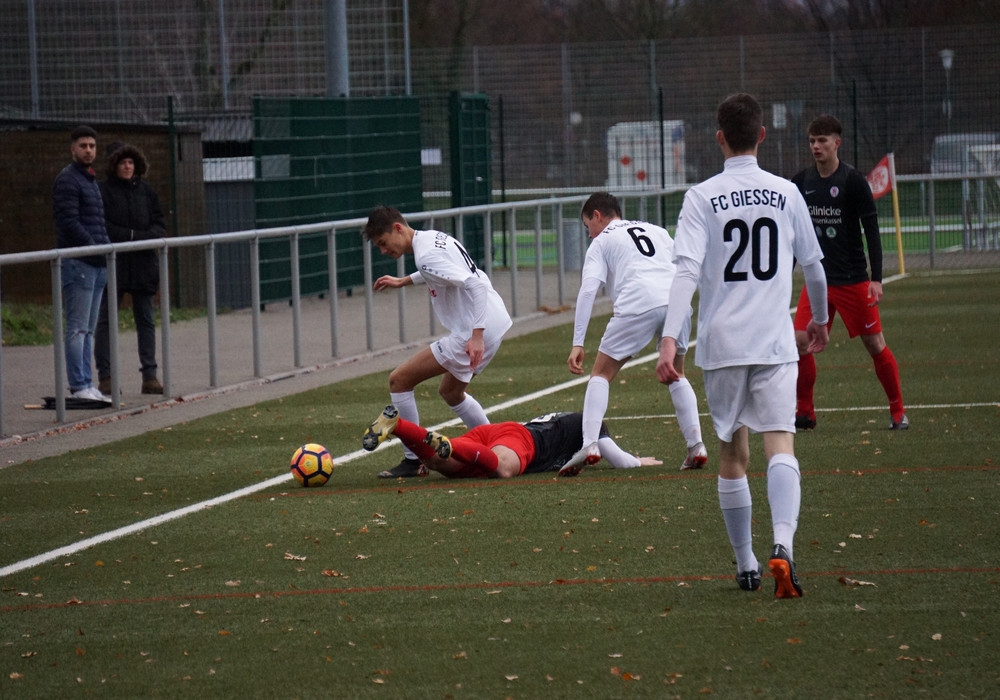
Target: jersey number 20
{"x": 747, "y": 236}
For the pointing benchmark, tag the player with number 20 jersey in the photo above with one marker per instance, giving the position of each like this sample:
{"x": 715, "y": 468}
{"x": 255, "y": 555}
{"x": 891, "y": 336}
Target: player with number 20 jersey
{"x": 746, "y": 228}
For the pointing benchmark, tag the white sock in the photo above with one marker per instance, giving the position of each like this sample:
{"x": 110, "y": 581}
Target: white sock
{"x": 595, "y": 405}
{"x": 686, "y": 408}
{"x": 406, "y": 403}
{"x": 471, "y": 413}
{"x": 737, "y": 510}
{"x": 784, "y": 491}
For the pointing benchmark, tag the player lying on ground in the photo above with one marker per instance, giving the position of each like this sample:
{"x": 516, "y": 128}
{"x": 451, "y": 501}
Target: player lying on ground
{"x": 500, "y": 450}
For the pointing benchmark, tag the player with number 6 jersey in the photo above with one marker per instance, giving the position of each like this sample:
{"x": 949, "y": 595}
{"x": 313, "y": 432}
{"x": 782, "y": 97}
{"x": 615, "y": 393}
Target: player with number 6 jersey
{"x": 738, "y": 237}
{"x": 633, "y": 260}
{"x": 465, "y": 303}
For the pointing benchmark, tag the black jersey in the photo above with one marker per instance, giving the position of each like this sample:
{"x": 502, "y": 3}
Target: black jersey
{"x": 557, "y": 437}
{"x": 839, "y": 205}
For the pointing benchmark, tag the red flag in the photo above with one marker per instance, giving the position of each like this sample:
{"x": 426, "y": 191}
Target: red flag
{"x": 879, "y": 179}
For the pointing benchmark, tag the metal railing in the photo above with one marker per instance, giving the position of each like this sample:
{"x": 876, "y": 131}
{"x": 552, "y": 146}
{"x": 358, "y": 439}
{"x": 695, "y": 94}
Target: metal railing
{"x": 546, "y": 221}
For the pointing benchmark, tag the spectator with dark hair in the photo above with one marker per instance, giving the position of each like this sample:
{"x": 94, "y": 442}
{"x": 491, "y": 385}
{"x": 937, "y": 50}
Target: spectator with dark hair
{"x": 132, "y": 213}
{"x": 79, "y": 215}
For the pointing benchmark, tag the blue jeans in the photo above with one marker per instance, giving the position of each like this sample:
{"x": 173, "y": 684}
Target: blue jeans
{"x": 82, "y": 286}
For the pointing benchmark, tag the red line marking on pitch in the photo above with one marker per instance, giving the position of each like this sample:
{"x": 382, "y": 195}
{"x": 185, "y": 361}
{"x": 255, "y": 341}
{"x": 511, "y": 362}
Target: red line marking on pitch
{"x": 428, "y": 588}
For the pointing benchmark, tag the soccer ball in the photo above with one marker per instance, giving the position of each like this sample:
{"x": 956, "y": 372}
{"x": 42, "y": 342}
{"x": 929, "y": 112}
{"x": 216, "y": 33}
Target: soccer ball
{"x": 312, "y": 465}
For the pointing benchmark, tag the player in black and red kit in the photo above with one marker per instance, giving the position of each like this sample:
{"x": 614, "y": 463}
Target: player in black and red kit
{"x": 499, "y": 450}
{"x": 840, "y": 203}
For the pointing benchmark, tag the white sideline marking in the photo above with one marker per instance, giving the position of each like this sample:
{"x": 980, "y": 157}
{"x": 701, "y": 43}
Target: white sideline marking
{"x": 254, "y": 488}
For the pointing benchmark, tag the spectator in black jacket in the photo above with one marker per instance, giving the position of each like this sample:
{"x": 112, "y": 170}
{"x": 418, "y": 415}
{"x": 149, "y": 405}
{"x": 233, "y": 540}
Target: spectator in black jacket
{"x": 132, "y": 213}
{"x": 79, "y": 214}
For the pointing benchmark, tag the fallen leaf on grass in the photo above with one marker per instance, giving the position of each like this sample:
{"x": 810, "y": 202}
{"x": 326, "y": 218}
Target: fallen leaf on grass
{"x": 855, "y": 582}
{"x": 294, "y": 557}
{"x": 511, "y": 677}
{"x": 460, "y": 655}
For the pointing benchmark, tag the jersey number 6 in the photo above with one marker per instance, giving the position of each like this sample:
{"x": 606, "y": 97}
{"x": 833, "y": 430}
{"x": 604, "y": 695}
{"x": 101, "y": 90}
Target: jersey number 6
{"x": 752, "y": 237}
{"x": 642, "y": 242}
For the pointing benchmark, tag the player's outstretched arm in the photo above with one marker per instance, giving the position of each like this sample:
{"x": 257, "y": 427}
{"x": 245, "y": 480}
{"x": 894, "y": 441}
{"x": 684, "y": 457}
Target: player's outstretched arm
{"x": 387, "y": 281}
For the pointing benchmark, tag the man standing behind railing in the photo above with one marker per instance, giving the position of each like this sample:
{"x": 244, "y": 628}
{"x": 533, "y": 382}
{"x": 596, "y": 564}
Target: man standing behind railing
{"x": 465, "y": 303}
{"x": 79, "y": 214}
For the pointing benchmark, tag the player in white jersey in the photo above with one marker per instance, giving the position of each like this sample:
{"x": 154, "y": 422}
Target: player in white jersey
{"x": 634, "y": 262}
{"x": 738, "y": 237}
{"x": 465, "y": 303}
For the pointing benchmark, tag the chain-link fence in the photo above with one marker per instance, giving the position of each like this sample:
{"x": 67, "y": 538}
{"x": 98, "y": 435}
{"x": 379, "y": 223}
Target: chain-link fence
{"x": 557, "y": 110}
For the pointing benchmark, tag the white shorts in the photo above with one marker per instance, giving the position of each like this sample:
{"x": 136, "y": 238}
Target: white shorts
{"x": 761, "y": 397}
{"x": 450, "y": 353}
{"x": 625, "y": 336}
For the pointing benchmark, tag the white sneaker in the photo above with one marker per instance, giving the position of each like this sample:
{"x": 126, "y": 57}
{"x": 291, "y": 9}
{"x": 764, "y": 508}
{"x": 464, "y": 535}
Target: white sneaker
{"x": 589, "y": 455}
{"x": 91, "y": 394}
{"x": 697, "y": 457}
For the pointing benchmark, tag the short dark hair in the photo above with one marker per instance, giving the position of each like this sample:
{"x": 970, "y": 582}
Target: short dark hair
{"x": 740, "y": 120}
{"x": 604, "y": 202}
{"x": 380, "y": 221}
{"x": 80, "y": 132}
{"x": 825, "y": 125}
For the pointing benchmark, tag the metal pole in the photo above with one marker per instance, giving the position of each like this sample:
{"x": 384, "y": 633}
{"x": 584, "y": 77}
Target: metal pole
{"x": 258, "y": 365}
{"x": 406, "y": 45}
{"x": 296, "y": 302}
{"x": 366, "y": 259}
{"x": 932, "y": 243}
{"x": 223, "y": 54}
{"x": 337, "y": 59}
{"x": 561, "y": 251}
{"x": 331, "y": 264}
{"x": 513, "y": 263}
{"x": 33, "y": 59}
{"x": 213, "y": 360}
{"x": 538, "y": 257}
{"x": 401, "y": 299}
{"x": 165, "y": 319}
{"x": 58, "y": 340}
{"x": 111, "y": 292}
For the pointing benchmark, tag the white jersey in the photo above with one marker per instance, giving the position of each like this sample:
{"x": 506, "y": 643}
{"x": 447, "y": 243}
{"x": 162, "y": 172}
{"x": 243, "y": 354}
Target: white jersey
{"x": 745, "y": 228}
{"x": 452, "y": 278}
{"x": 634, "y": 261}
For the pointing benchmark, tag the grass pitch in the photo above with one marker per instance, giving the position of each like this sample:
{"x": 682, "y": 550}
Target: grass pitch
{"x": 612, "y": 584}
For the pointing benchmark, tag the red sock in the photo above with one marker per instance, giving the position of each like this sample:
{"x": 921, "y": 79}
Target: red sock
{"x": 804, "y": 386}
{"x": 887, "y": 372}
{"x": 412, "y": 435}
{"x": 479, "y": 460}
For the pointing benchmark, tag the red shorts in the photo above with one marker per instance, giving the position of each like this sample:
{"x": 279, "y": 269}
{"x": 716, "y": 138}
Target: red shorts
{"x": 851, "y": 302}
{"x": 511, "y": 435}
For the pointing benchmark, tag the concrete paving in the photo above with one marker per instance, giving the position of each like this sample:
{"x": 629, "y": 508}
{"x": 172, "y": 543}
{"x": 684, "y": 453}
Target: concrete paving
{"x": 400, "y": 323}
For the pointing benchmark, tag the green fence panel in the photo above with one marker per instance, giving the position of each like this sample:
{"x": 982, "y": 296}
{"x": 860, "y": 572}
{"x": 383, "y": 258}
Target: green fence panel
{"x": 469, "y": 131}
{"x": 322, "y": 159}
